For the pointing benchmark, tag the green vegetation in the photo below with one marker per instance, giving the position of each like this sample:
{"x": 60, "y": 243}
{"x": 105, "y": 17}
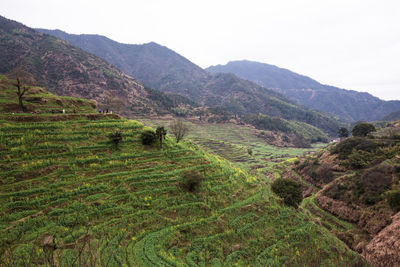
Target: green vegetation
{"x": 148, "y": 137}
{"x": 363, "y": 129}
{"x": 161, "y": 133}
{"x": 343, "y": 132}
{"x": 393, "y": 198}
{"x": 191, "y": 181}
{"x": 66, "y": 197}
{"x": 233, "y": 143}
{"x": 289, "y": 190}
{"x": 304, "y": 130}
{"x": 38, "y": 100}
{"x": 115, "y": 137}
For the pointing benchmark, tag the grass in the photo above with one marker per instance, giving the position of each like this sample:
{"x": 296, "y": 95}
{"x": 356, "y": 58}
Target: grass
{"x": 233, "y": 142}
{"x": 37, "y": 99}
{"x": 69, "y": 198}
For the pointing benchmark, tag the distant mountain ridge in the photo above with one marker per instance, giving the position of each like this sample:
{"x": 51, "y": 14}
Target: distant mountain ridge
{"x": 163, "y": 69}
{"x": 70, "y": 71}
{"x": 394, "y": 116}
{"x": 346, "y": 104}
{"x": 152, "y": 64}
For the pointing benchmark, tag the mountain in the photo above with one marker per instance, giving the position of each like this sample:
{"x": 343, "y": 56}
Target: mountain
{"x": 67, "y": 70}
{"x": 346, "y": 104}
{"x": 394, "y": 116}
{"x": 152, "y": 64}
{"x": 163, "y": 69}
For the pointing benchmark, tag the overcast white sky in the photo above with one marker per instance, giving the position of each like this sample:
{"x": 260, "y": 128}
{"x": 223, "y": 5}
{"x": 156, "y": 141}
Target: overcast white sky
{"x": 352, "y": 44}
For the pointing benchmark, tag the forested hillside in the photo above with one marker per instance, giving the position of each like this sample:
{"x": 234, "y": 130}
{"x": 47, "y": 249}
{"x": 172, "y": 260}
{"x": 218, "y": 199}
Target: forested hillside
{"x": 346, "y": 104}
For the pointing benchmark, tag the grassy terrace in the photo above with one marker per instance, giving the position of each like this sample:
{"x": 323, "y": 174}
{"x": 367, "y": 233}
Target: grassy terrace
{"x": 69, "y": 198}
{"x": 232, "y": 142}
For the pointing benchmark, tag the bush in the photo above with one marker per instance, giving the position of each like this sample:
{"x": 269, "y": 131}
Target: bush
{"x": 345, "y": 148}
{"x": 362, "y": 129}
{"x": 393, "y": 199}
{"x": 343, "y": 132}
{"x": 148, "y": 137}
{"x": 191, "y": 181}
{"x": 289, "y": 190}
{"x": 115, "y": 137}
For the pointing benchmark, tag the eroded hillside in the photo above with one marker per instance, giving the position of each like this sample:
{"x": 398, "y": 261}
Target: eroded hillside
{"x": 354, "y": 188}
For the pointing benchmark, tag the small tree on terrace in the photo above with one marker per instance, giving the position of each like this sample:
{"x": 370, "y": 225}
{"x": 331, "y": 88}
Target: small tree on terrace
{"x": 23, "y": 82}
{"x": 161, "y": 133}
{"x": 178, "y": 129}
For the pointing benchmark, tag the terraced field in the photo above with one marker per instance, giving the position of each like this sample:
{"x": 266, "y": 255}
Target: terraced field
{"x": 70, "y": 198}
{"x": 38, "y": 100}
{"x": 233, "y": 142}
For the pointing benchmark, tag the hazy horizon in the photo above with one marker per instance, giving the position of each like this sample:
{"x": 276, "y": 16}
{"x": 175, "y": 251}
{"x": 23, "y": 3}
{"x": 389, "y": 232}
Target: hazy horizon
{"x": 353, "y": 45}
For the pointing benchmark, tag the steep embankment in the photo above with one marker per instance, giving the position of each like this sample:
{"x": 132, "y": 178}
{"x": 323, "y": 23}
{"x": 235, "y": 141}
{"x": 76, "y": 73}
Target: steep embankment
{"x": 357, "y": 192}
{"x": 346, "y": 104}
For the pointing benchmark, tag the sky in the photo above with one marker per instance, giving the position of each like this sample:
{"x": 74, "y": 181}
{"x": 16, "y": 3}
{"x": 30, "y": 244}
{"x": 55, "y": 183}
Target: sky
{"x": 351, "y": 44}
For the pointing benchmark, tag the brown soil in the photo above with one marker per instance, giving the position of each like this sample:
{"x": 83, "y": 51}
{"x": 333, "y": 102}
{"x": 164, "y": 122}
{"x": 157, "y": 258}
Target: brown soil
{"x": 384, "y": 248}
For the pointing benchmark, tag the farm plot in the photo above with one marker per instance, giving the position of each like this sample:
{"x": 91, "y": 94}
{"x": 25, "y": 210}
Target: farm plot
{"x": 70, "y": 198}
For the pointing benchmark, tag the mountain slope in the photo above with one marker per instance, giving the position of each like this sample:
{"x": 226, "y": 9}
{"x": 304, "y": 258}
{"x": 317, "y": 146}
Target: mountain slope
{"x": 394, "y": 116}
{"x": 346, "y": 104}
{"x": 357, "y": 192}
{"x": 165, "y": 70}
{"x": 70, "y": 71}
{"x": 152, "y": 64}
{"x": 69, "y": 197}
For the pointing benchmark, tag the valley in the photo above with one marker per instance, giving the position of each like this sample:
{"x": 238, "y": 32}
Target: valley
{"x": 273, "y": 169}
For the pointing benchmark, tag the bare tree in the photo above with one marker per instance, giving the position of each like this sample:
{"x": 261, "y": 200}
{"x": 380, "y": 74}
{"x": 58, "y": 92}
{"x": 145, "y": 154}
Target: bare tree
{"x": 23, "y": 82}
{"x": 178, "y": 129}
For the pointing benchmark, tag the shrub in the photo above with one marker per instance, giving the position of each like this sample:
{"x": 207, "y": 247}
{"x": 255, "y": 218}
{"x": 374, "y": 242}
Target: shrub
{"x": 345, "y": 148}
{"x": 362, "y": 159}
{"x": 191, "y": 181}
{"x": 148, "y": 137}
{"x": 362, "y": 129}
{"x": 115, "y": 137}
{"x": 393, "y": 199}
{"x": 343, "y": 132}
{"x": 289, "y": 190}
